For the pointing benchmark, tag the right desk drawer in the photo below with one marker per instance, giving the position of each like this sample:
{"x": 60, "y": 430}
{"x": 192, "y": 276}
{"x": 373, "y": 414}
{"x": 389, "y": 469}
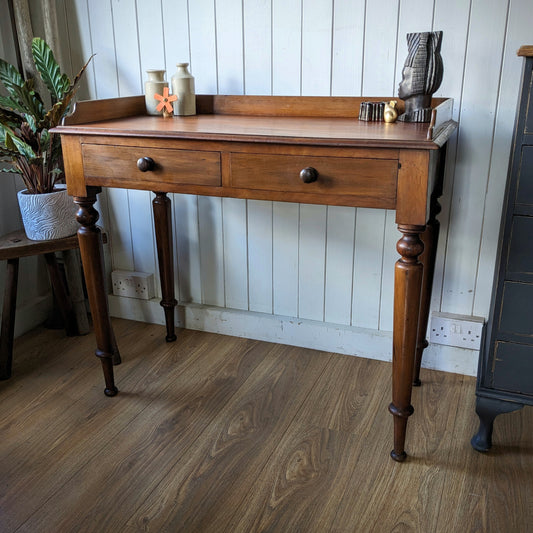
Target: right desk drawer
{"x": 336, "y": 175}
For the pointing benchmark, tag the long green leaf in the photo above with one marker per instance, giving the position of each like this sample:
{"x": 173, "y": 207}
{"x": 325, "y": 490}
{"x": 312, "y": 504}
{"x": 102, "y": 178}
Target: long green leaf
{"x": 10, "y": 76}
{"x": 8, "y": 103}
{"x": 4, "y": 152}
{"x": 8, "y": 141}
{"x": 31, "y": 100}
{"x": 23, "y": 148}
{"x": 30, "y": 119}
{"x": 58, "y": 84}
{"x": 9, "y": 117}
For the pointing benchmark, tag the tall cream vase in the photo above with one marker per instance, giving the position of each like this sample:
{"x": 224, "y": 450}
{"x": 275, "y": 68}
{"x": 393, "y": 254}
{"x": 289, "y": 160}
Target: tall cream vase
{"x": 183, "y": 87}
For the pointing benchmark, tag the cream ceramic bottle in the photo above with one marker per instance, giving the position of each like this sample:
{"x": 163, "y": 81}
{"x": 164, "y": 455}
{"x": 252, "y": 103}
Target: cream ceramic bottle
{"x": 183, "y": 87}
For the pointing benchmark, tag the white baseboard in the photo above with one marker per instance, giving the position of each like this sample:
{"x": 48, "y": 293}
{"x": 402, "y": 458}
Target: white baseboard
{"x": 372, "y": 344}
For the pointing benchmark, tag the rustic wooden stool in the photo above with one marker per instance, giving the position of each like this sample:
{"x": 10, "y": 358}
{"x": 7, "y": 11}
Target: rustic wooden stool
{"x": 12, "y": 247}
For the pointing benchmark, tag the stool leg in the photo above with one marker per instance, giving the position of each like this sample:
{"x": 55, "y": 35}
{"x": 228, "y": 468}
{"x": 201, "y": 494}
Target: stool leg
{"x": 8, "y": 318}
{"x": 63, "y": 299}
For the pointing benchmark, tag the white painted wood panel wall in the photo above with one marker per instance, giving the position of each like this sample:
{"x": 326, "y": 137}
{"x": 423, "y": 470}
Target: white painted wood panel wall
{"x": 327, "y": 264}
{"x": 33, "y": 298}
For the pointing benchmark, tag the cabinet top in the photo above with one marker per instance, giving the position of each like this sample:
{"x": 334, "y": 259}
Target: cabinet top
{"x": 526, "y": 50}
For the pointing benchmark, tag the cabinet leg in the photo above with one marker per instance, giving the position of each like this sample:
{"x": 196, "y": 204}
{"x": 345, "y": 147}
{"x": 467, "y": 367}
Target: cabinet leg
{"x": 7, "y": 330}
{"x": 91, "y": 249}
{"x": 407, "y": 287}
{"x": 487, "y": 409}
{"x": 163, "y": 234}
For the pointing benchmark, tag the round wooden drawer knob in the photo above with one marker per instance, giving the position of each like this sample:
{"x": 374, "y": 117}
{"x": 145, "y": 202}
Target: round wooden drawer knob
{"x": 309, "y": 174}
{"x": 145, "y": 163}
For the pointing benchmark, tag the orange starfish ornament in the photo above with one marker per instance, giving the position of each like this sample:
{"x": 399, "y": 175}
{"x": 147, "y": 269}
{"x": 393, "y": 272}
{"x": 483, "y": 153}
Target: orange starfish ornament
{"x": 165, "y": 100}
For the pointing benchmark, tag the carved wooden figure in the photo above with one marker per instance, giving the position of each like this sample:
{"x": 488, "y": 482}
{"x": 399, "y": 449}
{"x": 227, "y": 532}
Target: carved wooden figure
{"x": 421, "y": 75}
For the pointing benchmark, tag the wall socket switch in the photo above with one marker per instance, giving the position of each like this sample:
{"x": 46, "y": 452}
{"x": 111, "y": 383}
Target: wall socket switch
{"x": 133, "y": 284}
{"x": 463, "y": 331}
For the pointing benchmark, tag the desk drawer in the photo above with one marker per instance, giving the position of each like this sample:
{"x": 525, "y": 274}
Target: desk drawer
{"x": 119, "y": 163}
{"x": 336, "y": 175}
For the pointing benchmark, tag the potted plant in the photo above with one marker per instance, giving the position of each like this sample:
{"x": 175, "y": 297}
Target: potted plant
{"x": 32, "y": 151}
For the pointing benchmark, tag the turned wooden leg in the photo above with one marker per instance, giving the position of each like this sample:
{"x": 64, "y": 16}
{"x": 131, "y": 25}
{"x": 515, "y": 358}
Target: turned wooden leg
{"x": 8, "y": 318}
{"x": 64, "y": 301}
{"x": 163, "y": 235}
{"x": 430, "y": 239}
{"x": 487, "y": 410}
{"x": 90, "y": 238}
{"x": 407, "y": 288}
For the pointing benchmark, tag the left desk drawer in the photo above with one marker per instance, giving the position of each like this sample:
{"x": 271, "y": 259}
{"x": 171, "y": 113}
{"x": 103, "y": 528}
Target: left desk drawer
{"x": 116, "y": 164}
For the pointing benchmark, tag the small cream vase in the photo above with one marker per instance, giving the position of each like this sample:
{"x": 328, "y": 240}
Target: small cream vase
{"x": 154, "y": 85}
{"x": 183, "y": 87}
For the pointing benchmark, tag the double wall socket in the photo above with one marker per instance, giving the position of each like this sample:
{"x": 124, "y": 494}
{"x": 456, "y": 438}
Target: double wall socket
{"x": 133, "y": 284}
{"x": 456, "y": 330}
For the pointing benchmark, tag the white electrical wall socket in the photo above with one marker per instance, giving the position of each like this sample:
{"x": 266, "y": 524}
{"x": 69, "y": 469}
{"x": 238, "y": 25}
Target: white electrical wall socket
{"x": 463, "y": 331}
{"x": 133, "y": 284}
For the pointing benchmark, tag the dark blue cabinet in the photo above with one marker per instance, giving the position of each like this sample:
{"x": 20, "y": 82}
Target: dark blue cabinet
{"x": 505, "y": 373}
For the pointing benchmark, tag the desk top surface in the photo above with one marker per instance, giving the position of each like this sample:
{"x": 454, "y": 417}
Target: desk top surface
{"x": 315, "y": 130}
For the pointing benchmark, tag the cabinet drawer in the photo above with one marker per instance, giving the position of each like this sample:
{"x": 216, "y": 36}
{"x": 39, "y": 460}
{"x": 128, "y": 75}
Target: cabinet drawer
{"x": 520, "y": 261}
{"x": 524, "y": 193}
{"x": 114, "y": 164}
{"x": 513, "y": 367}
{"x": 372, "y": 178}
{"x": 517, "y": 309}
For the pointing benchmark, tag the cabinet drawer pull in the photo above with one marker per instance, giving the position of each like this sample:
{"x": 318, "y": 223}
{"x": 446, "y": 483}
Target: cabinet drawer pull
{"x": 145, "y": 163}
{"x": 309, "y": 174}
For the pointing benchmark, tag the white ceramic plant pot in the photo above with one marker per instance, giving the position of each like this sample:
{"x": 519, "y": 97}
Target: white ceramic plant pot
{"x": 48, "y": 216}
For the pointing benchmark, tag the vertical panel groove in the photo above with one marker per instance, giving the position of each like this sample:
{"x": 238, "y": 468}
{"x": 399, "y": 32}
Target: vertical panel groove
{"x": 114, "y": 45}
{"x": 246, "y": 203}
{"x": 216, "y": 46}
{"x": 138, "y": 41}
{"x": 325, "y": 259}
{"x": 301, "y": 52}
{"x": 363, "y": 53}
{"x": 458, "y": 136}
{"x": 244, "y": 53}
{"x": 353, "y": 267}
{"x": 332, "y": 49}
{"x": 92, "y": 47}
{"x": 394, "y": 78}
{"x": 491, "y": 148}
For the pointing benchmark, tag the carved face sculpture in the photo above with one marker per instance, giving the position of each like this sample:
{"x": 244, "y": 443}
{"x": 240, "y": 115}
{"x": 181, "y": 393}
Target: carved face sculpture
{"x": 421, "y": 75}
{"x": 405, "y": 87}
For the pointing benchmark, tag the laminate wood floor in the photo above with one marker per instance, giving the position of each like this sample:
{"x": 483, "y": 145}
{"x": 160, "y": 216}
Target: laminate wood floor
{"x": 220, "y": 434}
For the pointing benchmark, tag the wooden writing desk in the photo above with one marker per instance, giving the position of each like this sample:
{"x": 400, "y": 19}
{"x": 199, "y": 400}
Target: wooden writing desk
{"x": 294, "y": 149}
